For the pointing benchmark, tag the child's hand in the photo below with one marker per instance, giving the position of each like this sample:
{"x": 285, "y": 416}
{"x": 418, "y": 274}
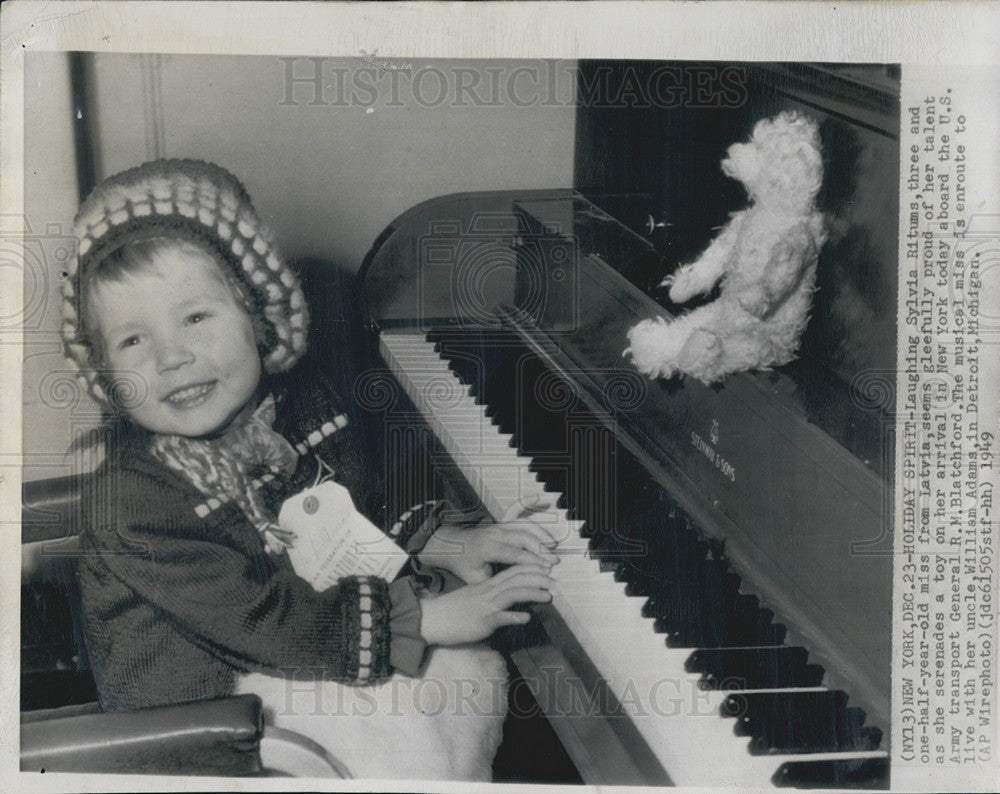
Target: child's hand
{"x": 472, "y": 613}
{"x": 468, "y": 553}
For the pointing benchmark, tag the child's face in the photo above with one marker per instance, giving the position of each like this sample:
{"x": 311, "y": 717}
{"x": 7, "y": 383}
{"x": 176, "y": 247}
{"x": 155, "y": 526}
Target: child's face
{"x": 178, "y": 326}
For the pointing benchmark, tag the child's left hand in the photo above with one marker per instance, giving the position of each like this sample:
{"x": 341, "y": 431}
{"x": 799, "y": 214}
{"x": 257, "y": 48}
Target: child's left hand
{"x": 469, "y": 553}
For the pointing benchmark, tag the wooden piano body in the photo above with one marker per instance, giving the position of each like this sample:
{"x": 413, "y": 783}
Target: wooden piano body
{"x": 782, "y": 477}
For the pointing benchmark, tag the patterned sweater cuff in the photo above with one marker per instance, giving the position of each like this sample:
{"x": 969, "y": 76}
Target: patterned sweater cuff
{"x": 366, "y": 618}
{"x": 416, "y": 524}
{"x": 407, "y": 646}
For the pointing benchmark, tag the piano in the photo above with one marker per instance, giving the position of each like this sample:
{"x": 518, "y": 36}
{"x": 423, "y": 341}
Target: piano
{"x": 722, "y": 612}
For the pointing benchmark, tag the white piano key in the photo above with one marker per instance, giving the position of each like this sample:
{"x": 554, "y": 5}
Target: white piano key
{"x": 424, "y": 369}
{"x": 468, "y": 410}
{"x": 412, "y": 342}
{"x": 492, "y": 442}
{"x": 578, "y": 568}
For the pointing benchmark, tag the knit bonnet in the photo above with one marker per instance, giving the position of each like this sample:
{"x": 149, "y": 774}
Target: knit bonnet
{"x": 201, "y": 203}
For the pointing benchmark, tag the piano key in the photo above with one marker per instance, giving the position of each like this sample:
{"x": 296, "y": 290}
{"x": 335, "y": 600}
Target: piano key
{"x": 426, "y": 367}
{"x": 754, "y": 668}
{"x": 420, "y": 364}
{"x": 793, "y": 722}
{"x": 484, "y": 446}
{"x": 704, "y": 576}
{"x": 692, "y": 621}
{"x": 854, "y": 773}
{"x": 468, "y": 411}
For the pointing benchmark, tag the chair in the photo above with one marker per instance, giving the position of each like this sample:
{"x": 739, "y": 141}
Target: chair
{"x": 62, "y": 726}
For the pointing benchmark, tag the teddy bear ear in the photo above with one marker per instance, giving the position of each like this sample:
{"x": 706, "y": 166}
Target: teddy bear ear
{"x": 761, "y": 130}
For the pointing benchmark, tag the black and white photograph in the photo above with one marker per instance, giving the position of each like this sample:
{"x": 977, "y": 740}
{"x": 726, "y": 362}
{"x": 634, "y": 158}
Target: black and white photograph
{"x": 411, "y": 416}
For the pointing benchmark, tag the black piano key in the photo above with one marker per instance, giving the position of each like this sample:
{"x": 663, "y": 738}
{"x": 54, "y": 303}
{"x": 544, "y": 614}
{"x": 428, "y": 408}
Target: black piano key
{"x": 848, "y": 773}
{"x": 670, "y": 584}
{"x": 692, "y": 621}
{"x": 622, "y": 571}
{"x": 676, "y": 564}
{"x": 799, "y": 722}
{"x": 734, "y": 624}
{"x": 709, "y": 581}
{"x": 753, "y": 668}
{"x": 554, "y": 477}
{"x": 871, "y": 735}
{"x": 662, "y": 555}
{"x": 463, "y": 359}
{"x": 500, "y": 408}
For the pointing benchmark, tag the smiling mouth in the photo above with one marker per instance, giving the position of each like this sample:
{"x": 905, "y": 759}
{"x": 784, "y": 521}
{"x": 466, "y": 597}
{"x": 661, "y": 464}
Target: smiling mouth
{"x": 190, "y": 396}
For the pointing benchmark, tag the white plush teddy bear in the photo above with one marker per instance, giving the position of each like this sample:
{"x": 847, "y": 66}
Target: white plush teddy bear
{"x": 766, "y": 257}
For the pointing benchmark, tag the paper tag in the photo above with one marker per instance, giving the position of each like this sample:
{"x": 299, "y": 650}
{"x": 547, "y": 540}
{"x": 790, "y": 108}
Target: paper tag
{"x": 333, "y": 540}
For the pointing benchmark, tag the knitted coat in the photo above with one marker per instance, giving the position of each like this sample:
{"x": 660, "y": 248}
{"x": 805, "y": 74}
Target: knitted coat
{"x": 179, "y": 594}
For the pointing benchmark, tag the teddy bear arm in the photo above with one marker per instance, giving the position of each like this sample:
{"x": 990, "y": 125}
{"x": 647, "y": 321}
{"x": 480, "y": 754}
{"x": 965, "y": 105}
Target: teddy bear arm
{"x": 763, "y": 299}
{"x": 789, "y": 262}
{"x": 704, "y": 273}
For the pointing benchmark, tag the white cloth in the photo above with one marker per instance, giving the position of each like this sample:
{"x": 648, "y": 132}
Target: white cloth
{"x": 445, "y": 725}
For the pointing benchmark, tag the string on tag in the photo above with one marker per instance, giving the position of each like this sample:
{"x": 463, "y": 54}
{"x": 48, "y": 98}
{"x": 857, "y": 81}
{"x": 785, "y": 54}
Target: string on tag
{"x": 323, "y": 465}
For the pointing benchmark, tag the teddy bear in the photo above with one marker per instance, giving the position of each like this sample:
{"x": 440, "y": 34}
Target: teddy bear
{"x": 766, "y": 259}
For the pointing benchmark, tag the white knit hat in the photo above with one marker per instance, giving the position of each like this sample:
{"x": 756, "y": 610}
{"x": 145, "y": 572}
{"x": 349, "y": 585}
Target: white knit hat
{"x": 203, "y": 204}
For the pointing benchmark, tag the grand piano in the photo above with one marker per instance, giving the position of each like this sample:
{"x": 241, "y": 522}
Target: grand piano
{"x": 723, "y": 609}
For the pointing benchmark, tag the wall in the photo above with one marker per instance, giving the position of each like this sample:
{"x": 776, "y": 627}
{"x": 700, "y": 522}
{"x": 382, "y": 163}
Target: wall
{"x": 52, "y": 412}
{"x": 329, "y": 170}
{"x": 328, "y": 166}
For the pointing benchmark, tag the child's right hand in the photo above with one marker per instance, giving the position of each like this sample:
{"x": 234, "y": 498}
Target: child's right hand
{"x": 475, "y": 611}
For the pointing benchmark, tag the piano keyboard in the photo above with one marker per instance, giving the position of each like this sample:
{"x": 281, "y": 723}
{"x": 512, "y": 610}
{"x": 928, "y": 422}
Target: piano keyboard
{"x": 672, "y": 665}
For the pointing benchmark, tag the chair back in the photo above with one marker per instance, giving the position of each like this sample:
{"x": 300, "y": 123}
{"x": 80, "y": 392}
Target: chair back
{"x": 54, "y": 668}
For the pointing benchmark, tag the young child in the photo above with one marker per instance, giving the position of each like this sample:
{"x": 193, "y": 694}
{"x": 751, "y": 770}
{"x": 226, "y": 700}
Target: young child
{"x": 184, "y": 323}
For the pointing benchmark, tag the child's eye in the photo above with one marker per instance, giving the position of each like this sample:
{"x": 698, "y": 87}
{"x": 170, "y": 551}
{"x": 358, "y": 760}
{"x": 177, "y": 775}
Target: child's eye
{"x": 197, "y": 317}
{"x": 131, "y": 341}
